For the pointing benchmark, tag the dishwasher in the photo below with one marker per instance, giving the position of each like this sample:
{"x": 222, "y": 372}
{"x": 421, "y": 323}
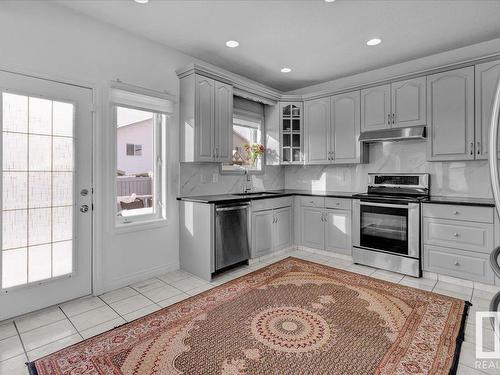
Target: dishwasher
{"x": 232, "y": 242}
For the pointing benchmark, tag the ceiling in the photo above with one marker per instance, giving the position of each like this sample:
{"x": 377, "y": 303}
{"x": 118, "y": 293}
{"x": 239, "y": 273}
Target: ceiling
{"x": 320, "y": 41}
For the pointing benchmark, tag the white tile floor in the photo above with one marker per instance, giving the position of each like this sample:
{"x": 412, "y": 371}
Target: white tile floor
{"x": 41, "y": 333}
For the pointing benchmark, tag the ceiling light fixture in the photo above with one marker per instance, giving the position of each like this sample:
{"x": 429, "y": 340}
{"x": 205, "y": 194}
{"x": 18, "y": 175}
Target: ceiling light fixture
{"x": 232, "y": 44}
{"x": 329, "y": 1}
{"x": 286, "y": 70}
{"x": 141, "y": 1}
{"x": 373, "y": 42}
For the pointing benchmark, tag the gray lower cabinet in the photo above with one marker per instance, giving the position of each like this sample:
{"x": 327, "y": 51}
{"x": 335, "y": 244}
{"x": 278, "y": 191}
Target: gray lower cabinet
{"x": 313, "y": 228}
{"x": 271, "y": 230}
{"x": 326, "y": 229}
{"x": 338, "y": 231}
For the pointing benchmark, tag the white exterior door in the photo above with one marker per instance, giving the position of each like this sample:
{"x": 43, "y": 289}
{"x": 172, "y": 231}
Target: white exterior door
{"x": 46, "y": 205}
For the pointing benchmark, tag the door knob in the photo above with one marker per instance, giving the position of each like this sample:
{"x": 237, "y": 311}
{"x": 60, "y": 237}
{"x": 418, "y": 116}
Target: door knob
{"x": 84, "y": 208}
{"x": 84, "y": 192}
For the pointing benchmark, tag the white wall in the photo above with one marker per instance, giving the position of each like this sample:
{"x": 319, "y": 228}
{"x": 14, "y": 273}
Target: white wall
{"x": 47, "y": 40}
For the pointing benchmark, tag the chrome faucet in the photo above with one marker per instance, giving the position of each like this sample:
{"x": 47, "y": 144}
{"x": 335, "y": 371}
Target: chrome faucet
{"x": 247, "y": 184}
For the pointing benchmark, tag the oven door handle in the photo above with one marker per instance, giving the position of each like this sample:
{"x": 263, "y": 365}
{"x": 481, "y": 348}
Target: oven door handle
{"x": 363, "y": 203}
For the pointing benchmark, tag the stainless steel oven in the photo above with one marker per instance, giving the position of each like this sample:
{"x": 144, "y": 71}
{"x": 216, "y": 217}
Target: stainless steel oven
{"x": 386, "y": 223}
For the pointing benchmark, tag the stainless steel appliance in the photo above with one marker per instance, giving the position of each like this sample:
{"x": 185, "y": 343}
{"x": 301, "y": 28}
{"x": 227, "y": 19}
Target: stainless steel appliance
{"x": 232, "y": 239}
{"x": 386, "y": 222}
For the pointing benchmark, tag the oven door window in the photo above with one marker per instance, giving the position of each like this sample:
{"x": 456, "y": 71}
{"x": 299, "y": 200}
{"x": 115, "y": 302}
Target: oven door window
{"x": 384, "y": 228}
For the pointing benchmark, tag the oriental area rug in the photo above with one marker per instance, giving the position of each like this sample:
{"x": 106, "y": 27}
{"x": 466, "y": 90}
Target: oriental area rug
{"x": 291, "y": 317}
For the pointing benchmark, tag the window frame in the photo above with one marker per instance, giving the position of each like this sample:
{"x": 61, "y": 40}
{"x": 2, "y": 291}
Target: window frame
{"x": 248, "y": 116}
{"x": 159, "y": 188}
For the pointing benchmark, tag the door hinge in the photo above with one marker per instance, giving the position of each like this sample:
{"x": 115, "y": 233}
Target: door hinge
{"x": 93, "y": 108}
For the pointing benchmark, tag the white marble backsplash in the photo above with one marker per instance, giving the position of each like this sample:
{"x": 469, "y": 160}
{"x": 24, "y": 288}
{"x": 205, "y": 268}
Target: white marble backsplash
{"x": 461, "y": 178}
{"x": 198, "y": 179}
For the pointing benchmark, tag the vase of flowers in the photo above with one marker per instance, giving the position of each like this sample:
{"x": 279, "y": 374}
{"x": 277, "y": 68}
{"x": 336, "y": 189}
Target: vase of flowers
{"x": 254, "y": 152}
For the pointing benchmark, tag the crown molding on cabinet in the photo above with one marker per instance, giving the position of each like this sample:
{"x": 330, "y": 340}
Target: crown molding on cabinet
{"x": 252, "y": 90}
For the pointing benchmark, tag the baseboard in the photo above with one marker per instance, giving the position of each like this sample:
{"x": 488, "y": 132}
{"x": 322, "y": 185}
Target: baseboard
{"x": 325, "y": 253}
{"x": 136, "y": 277}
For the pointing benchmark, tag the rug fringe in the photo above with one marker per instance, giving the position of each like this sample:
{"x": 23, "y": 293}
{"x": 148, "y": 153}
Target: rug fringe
{"x": 460, "y": 339}
{"x": 32, "y": 368}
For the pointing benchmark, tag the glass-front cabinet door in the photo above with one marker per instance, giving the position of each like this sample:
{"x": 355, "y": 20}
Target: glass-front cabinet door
{"x": 291, "y": 132}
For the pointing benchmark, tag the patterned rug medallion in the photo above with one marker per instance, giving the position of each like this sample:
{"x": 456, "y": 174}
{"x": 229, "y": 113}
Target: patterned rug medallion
{"x": 292, "y": 317}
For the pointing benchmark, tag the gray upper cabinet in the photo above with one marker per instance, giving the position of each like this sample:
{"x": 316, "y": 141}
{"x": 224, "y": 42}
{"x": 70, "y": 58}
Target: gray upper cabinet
{"x": 487, "y": 76}
{"x": 408, "y": 103}
{"x": 450, "y": 115}
{"x": 345, "y": 128}
{"x": 332, "y": 127}
{"x": 376, "y": 108}
{"x": 223, "y": 122}
{"x": 317, "y": 131}
{"x": 206, "y": 111}
{"x": 291, "y": 132}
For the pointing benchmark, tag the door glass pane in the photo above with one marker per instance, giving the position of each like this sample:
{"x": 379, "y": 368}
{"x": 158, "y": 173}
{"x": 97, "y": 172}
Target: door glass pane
{"x": 37, "y": 189}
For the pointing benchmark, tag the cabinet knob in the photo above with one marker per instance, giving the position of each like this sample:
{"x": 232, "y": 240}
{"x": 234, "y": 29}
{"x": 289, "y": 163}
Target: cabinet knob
{"x": 456, "y": 234}
{"x": 457, "y": 263}
{"x": 389, "y": 119}
{"x": 455, "y": 212}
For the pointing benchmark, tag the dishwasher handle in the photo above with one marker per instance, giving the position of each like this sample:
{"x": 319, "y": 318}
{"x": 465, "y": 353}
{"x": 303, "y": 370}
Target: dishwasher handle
{"x": 232, "y": 208}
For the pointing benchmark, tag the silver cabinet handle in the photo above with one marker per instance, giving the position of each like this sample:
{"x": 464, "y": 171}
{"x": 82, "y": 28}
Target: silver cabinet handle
{"x": 393, "y": 118}
{"x": 84, "y": 192}
{"x": 479, "y": 148}
{"x": 84, "y": 208}
{"x": 457, "y": 263}
{"x": 472, "y": 148}
{"x": 389, "y": 119}
{"x": 455, "y": 212}
{"x": 456, "y": 235}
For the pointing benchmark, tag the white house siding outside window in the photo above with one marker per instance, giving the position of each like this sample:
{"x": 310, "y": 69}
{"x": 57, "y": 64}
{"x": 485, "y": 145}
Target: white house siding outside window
{"x": 139, "y": 121}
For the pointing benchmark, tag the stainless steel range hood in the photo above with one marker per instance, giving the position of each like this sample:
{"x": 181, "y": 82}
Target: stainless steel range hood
{"x": 394, "y": 134}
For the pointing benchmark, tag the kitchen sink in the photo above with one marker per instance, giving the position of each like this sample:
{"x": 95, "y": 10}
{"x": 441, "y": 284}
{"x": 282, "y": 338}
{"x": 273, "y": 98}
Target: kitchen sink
{"x": 256, "y": 194}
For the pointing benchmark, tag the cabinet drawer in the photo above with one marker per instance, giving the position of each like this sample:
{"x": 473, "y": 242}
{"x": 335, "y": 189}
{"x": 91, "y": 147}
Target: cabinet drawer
{"x": 457, "y": 212}
{"x": 272, "y": 203}
{"x": 340, "y": 203}
{"x": 459, "y": 234}
{"x": 458, "y": 263}
{"x": 312, "y": 201}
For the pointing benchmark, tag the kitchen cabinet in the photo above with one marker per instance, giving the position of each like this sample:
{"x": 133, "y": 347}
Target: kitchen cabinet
{"x": 318, "y": 146}
{"x": 396, "y": 105}
{"x": 291, "y": 132}
{"x": 450, "y": 115}
{"x": 206, "y": 111}
{"x": 327, "y": 228}
{"x": 376, "y": 108}
{"x": 486, "y": 79}
{"x": 271, "y": 228}
{"x": 332, "y": 127}
{"x": 408, "y": 103}
{"x": 338, "y": 231}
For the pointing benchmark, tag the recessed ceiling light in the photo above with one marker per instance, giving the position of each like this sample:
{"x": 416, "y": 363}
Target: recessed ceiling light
{"x": 329, "y": 1}
{"x": 142, "y": 1}
{"x": 373, "y": 42}
{"x": 232, "y": 43}
{"x": 286, "y": 70}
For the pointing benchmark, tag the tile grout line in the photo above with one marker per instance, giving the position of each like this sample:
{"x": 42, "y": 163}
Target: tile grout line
{"x": 67, "y": 317}
{"x": 111, "y": 307}
{"x": 21, "y": 340}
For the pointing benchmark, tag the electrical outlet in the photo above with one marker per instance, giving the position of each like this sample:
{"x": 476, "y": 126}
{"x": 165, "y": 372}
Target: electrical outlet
{"x": 215, "y": 178}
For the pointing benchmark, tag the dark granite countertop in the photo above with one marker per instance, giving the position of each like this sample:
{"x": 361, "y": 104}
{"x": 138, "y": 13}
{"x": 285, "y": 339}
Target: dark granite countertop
{"x": 463, "y": 201}
{"x": 230, "y": 198}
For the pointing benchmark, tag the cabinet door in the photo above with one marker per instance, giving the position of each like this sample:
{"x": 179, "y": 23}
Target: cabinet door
{"x": 283, "y": 228}
{"x": 204, "y": 119}
{"x": 338, "y": 231}
{"x": 291, "y": 133}
{"x": 408, "y": 102}
{"x": 223, "y": 122}
{"x": 376, "y": 108}
{"x": 345, "y": 127}
{"x": 317, "y": 129}
{"x": 313, "y": 228}
{"x": 450, "y": 115}
{"x": 262, "y": 233}
{"x": 487, "y": 76}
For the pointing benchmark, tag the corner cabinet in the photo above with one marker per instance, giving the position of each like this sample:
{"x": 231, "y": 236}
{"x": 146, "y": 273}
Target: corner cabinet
{"x": 450, "y": 107}
{"x": 291, "y": 133}
{"x": 331, "y": 130}
{"x": 206, "y": 111}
